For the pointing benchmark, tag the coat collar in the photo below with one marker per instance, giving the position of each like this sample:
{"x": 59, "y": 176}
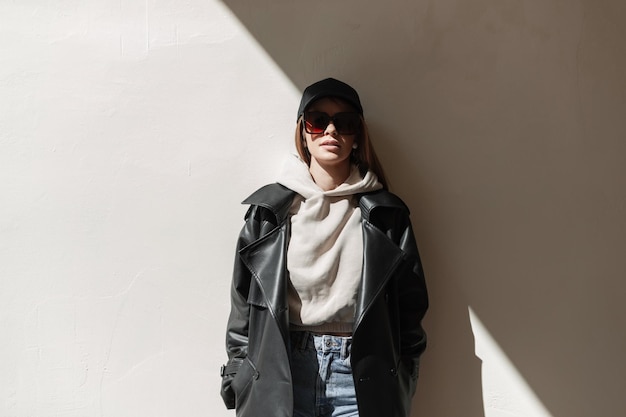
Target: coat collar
{"x": 274, "y": 197}
{"x": 381, "y": 198}
{"x": 278, "y": 198}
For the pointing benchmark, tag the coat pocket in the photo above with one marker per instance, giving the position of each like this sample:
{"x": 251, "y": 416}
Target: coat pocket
{"x": 242, "y": 382}
{"x": 228, "y": 372}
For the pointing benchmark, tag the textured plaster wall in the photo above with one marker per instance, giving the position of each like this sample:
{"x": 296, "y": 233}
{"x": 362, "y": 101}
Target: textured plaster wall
{"x": 128, "y": 134}
{"x": 130, "y": 131}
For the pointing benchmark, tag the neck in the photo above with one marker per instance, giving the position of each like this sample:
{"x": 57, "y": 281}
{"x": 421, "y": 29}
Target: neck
{"x": 329, "y": 177}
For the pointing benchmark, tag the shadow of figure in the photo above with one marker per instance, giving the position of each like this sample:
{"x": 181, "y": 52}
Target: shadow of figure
{"x": 450, "y": 382}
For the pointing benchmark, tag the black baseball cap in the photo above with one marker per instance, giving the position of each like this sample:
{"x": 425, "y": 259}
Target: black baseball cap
{"x": 329, "y": 87}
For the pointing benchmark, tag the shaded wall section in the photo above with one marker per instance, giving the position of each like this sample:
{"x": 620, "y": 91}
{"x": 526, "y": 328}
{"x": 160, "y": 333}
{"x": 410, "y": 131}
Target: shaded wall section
{"x": 501, "y": 123}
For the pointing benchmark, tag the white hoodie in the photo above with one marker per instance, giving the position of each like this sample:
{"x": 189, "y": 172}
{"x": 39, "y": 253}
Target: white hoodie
{"x": 325, "y": 253}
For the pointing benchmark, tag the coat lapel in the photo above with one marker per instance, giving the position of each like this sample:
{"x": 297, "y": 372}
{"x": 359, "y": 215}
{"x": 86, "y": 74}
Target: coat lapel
{"x": 380, "y": 259}
{"x": 266, "y": 259}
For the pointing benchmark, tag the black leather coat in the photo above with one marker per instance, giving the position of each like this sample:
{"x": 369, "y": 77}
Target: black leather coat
{"x": 388, "y": 338}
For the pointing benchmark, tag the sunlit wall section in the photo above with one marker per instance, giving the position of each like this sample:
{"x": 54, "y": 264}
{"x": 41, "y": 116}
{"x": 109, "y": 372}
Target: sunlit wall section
{"x": 129, "y": 133}
{"x": 505, "y": 392}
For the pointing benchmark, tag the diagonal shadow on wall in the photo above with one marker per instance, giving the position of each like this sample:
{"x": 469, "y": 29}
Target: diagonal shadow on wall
{"x": 482, "y": 113}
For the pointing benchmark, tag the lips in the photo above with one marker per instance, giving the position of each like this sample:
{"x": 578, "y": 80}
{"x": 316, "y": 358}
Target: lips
{"x": 329, "y": 142}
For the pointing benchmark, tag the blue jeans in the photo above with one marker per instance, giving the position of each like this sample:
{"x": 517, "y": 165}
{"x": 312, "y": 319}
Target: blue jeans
{"x": 322, "y": 376}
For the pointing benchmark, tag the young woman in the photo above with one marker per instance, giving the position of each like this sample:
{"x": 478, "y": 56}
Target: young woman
{"x": 328, "y": 292}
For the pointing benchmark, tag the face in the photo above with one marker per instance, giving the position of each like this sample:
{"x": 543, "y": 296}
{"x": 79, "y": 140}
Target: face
{"x": 329, "y": 147}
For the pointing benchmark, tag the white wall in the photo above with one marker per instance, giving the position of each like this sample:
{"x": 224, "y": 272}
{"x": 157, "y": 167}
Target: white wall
{"x": 130, "y": 131}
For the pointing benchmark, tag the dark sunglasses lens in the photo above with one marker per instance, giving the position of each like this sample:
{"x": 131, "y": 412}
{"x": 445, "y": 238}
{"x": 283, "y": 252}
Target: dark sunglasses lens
{"x": 316, "y": 122}
{"x": 347, "y": 123}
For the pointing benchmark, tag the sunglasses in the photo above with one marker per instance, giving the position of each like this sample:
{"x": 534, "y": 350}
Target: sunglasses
{"x": 346, "y": 123}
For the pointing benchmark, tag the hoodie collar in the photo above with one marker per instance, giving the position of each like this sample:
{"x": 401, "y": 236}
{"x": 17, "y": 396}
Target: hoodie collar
{"x": 295, "y": 175}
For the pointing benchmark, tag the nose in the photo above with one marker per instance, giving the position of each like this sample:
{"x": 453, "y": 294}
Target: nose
{"x": 330, "y": 129}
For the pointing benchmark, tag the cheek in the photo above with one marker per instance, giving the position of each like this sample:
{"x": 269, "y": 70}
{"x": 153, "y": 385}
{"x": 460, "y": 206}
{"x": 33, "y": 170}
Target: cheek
{"x": 308, "y": 139}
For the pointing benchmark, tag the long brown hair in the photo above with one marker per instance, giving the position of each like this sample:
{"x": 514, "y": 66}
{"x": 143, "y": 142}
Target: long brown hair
{"x": 364, "y": 156}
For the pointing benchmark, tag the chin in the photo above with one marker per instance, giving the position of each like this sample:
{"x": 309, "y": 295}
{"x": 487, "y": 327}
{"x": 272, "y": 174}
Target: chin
{"x": 325, "y": 160}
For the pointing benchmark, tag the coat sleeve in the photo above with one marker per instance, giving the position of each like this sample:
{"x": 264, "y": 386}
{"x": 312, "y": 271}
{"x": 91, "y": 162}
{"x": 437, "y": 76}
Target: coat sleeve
{"x": 413, "y": 296}
{"x": 410, "y": 294}
{"x": 412, "y": 304}
{"x": 238, "y": 320}
{"x": 411, "y": 284}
